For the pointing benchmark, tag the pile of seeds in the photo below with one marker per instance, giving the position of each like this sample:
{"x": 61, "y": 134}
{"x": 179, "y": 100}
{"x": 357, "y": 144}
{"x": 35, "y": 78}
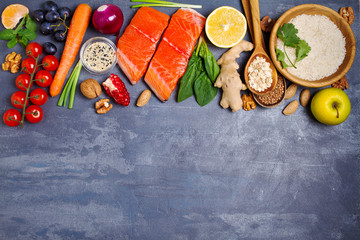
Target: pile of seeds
{"x": 275, "y": 96}
{"x": 260, "y": 77}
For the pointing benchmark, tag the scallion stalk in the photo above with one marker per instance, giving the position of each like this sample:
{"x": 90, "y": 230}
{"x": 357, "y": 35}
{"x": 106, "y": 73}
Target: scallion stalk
{"x": 70, "y": 85}
{"x": 73, "y": 88}
{"x": 65, "y": 92}
{"x": 158, "y": 3}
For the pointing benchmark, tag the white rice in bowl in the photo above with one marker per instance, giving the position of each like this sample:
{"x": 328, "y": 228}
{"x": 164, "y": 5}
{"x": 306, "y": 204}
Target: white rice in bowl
{"x": 327, "y": 47}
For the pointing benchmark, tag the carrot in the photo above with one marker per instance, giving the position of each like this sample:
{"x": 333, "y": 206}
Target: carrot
{"x": 76, "y": 32}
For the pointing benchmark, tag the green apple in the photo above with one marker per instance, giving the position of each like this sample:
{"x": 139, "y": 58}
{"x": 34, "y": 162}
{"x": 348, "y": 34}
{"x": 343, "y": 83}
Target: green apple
{"x": 331, "y": 106}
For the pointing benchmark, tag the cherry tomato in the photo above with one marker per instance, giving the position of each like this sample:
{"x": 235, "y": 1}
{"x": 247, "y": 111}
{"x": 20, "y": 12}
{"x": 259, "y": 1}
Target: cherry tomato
{"x": 43, "y": 78}
{"x": 28, "y": 65}
{"x": 12, "y": 117}
{"x": 34, "y": 114}
{"x": 22, "y": 81}
{"x": 50, "y": 63}
{"x": 33, "y": 49}
{"x": 18, "y": 99}
{"x": 38, "y": 96}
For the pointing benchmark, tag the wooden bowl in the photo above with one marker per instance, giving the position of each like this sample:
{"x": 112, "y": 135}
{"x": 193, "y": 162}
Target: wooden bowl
{"x": 258, "y": 98}
{"x": 314, "y": 9}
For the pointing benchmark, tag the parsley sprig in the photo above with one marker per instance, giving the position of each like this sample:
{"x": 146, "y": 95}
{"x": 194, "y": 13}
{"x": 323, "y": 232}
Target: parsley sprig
{"x": 22, "y": 34}
{"x": 288, "y": 34}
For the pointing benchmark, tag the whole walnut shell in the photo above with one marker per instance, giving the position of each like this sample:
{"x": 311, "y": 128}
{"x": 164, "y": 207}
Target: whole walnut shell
{"x": 90, "y": 88}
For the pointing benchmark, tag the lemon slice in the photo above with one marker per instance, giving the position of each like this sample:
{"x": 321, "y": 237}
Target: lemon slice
{"x": 225, "y": 27}
{"x": 12, "y": 15}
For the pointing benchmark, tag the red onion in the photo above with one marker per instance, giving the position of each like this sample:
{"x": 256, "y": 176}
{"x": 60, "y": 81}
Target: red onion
{"x": 108, "y": 19}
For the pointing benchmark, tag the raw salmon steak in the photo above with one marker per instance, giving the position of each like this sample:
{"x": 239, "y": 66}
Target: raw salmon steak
{"x": 171, "y": 58}
{"x": 138, "y": 43}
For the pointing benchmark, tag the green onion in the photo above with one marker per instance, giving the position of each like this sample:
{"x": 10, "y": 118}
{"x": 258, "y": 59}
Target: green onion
{"x": 158, "y": 3}
{"x": 70, "y": 86}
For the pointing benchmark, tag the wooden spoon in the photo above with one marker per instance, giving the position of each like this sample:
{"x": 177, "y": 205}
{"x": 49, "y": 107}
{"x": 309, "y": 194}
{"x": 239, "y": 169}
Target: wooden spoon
{"x": 246, "y": 7}
{"x": 259, "y": 51}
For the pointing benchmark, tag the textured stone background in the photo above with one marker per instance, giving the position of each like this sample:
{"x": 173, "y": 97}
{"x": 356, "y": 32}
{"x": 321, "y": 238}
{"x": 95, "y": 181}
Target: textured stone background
{"x": 176, "y": 170}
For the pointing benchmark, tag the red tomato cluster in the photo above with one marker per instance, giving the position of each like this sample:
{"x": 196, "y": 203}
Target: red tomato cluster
{"x": 37, "y": 96}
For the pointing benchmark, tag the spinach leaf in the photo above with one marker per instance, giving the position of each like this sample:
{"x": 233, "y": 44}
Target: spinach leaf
{"x": 187, "y": 80}
{"x": 200, "y": 75}
{"x": 211, "y": 67}
{"x": 204, "y": 89}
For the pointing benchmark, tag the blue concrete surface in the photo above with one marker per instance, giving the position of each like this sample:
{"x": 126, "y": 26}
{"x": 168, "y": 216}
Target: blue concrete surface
{"x": 176, "y": 170}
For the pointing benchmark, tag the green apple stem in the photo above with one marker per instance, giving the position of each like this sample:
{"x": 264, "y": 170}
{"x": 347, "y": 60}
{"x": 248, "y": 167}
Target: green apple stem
{"x": 335, "y": 105}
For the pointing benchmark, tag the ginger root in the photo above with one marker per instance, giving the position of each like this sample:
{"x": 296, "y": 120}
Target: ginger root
{"x": 229, "y": 78}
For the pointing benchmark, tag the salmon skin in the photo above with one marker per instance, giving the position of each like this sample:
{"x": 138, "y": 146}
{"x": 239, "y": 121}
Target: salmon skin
{"x": 172, "y": 56}
{"x": 138, "y": 43}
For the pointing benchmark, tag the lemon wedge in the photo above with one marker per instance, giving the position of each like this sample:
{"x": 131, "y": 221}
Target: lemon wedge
{"x": 225, "y": 27}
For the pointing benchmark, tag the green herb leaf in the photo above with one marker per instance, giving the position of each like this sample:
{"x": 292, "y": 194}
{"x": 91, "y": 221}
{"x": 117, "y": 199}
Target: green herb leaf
{"x": 211, "y": 67}
{"x": 187, "y": 80}
{"x": 280, "y": 34}
{"x": 20, "y": 26}
{"x": 27, "y": 33}
{"x": 302, "y": 50}
{"x": 281, "y": 57}
{"x": 7, "y": 34}
{"x": 23, "y": 42}
{"x": 20, "y": 35}
{"x": 12, "y": 43}
{"x": 204, "y": 89}
{"x": 288, "y": 35}
{"x": 30, "y": 24}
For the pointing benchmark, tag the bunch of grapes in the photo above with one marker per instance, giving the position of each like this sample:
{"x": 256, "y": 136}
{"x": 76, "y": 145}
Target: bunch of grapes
{"x": 53, "y": 20}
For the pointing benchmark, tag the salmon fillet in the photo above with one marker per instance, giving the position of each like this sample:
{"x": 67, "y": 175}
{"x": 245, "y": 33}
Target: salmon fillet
{"x": 138, "y": 43}
{"x": 171, "y": 58}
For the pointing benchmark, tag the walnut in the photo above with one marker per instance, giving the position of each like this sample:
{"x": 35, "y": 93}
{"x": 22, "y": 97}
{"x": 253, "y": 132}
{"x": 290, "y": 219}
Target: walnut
{"x": 341, "y": 84}
{"x": 10, "y": 57}
{"x": 103, "y": 106}
{"x": 5, "y": 66}
{"x": 14, "y": 68}
{"x": 248, "y": 102}
{"x": 347, "y": 14}
{"x": 90, "y": 88}
{"x": 267, "y": 24}
{"x": 12, "y": 62}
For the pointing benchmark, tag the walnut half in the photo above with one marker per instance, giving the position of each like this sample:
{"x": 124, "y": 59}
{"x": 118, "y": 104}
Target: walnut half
{"x": 341, "y": 84}
{"x": 103, "y": 106}
{"x": 248, "y": 102}
{"x": 347, "y": 14}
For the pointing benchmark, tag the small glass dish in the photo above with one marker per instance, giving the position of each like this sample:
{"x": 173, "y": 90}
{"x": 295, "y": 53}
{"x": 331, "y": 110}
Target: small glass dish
{"x": 98, "y": 55}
